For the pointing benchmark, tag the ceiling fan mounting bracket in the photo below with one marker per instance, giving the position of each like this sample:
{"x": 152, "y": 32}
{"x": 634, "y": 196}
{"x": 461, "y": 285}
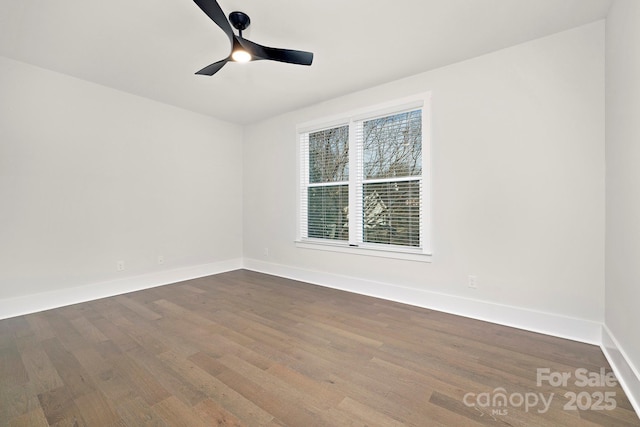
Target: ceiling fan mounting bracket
{"x": 239, "y": 20}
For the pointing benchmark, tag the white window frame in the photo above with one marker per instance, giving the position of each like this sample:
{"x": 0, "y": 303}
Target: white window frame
{"x": 353, "y": 118}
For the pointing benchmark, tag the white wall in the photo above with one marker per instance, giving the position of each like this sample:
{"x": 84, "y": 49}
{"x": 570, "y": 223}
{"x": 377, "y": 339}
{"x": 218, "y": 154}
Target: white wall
{"x": 518, "y": 181}
{"x": 91, "y": 175}
{"x": 623, "y": 190}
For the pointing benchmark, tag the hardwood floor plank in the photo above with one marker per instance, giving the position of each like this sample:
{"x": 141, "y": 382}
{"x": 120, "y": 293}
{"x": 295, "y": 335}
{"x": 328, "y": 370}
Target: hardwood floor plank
{"x": 88, "y": 330}
{"x": 622, "y": 417}
{"x": 42, "y": 374}
{"x": 107, "y": 378}
{"x": 187, "y": 315}
{"x": 177, "y": 414}
{"x": 288, "y": 412}
{"x": 33, "y": 418}
{"x": 76, "y": 380}
{"x": 368, "y": 414}
{"x": 169, "y": 379}
{"x": 41, "y": 328}
{"x": 173, "y": 333}
{"x": 136, "y": 412}
{"x": 19, "y": 327}
{"x": 97, "y": 410}
{"x": 119, "y": 338}
{"x": 218, "y": 391}
{"x": 382, "y": 395}
{"x": 147, "y": 339}
{"x": 323, "y": 392}
{"x": 208, "y": 363}
{"x": 136, "y": 307}
{"x": 66, "y": 334}
{"x": 16, "y": 401}
{"x": 215, "y": 415}
{"x": 59, "y": 407}
{"x": 192, "y": 288}
{"x": 141, "y": 380}
{"x": 12, "y": 369}
{"x": 324, "y": 411}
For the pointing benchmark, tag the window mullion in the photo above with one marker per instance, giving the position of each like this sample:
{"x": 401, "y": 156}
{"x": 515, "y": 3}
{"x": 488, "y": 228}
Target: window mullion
{"x": 304, "y": 185}
{"x": 355, "y": 184}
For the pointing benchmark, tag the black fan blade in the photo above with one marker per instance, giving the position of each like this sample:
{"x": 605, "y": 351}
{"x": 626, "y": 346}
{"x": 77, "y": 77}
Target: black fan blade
{"x": 274, "y": 54}
{"x": 214, "y": 11}
{"x": 287, "y": 55}
{"x": 210, "y": 70}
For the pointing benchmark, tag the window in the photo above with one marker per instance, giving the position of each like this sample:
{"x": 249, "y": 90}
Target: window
{"x": 363, "y": 180}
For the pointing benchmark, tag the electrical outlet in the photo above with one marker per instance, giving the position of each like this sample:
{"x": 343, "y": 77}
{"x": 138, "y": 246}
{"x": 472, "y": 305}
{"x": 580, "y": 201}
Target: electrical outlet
{"x": 266, "y": 251}
{"x": 120, "y": 265}
{"x": 160, "y": 259}
{"x": 473, "y": 282}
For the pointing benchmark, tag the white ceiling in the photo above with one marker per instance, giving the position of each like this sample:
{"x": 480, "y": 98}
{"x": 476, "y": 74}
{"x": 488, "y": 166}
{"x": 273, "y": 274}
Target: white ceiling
{"x": 152, "y": 48}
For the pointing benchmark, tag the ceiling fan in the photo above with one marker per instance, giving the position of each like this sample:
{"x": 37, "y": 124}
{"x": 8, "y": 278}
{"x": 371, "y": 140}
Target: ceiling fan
{"x": 243, "y": 50}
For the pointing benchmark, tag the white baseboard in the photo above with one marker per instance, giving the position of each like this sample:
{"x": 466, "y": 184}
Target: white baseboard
{"x": 518, "y": 317}
{"x": 627, "y": 374}
{"x": 546, "y": 323}
{"x": 26, "y": 304}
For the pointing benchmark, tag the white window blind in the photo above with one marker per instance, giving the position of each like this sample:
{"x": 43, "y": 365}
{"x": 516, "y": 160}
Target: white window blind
{"x": 327, "y": 187}
{"x": 362, "y": 182}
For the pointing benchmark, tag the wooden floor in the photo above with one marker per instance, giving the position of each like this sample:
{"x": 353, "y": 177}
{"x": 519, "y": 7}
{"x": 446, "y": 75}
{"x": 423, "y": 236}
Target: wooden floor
{"x": 247, "y": 349}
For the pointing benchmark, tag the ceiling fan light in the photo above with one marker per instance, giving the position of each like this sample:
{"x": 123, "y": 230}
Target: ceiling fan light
{"x": 240, "y": 55}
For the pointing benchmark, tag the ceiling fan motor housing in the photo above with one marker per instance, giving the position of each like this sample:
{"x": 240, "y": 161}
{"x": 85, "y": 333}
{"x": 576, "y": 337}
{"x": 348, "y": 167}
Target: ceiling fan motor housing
{"x": 239, "y": 20}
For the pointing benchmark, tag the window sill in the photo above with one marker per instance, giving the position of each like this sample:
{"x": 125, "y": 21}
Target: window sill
{"x": 399, "y": 253}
